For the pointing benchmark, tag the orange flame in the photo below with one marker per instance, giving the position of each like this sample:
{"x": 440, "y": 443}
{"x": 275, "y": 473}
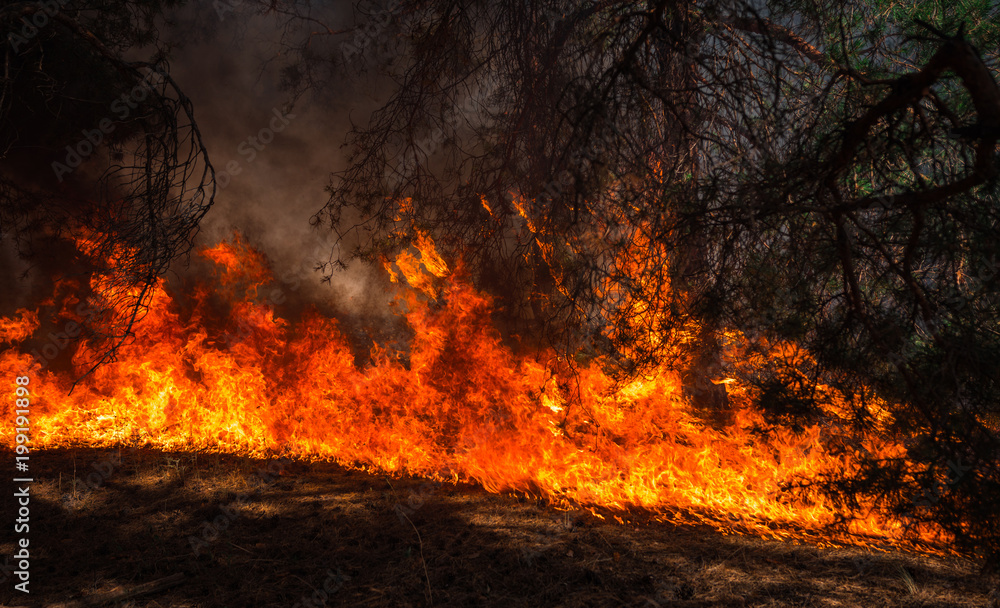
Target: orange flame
{"x": 460, "y": 406}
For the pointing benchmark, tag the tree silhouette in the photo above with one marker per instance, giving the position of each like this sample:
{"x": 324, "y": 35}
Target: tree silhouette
{"x": 98, "y": 151}
{"x": 631, "y": 176}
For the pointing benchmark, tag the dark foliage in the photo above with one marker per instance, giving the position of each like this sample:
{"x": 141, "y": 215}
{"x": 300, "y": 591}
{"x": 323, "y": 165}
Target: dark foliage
{"x": 623, "y": 173}
{"x": 100, "y": 152}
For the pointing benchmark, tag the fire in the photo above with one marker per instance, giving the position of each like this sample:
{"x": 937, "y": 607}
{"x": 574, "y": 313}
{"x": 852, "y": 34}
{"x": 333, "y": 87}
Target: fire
{"x": 458, "y": 405}
{"x": 17, "y": 329}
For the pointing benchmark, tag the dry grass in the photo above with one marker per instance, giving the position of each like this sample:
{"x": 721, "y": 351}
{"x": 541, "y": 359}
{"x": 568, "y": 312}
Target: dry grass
{"x": 452, "y": 546}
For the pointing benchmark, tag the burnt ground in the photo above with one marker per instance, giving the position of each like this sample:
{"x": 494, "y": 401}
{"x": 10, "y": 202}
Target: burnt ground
{"x": 276, "y": 540}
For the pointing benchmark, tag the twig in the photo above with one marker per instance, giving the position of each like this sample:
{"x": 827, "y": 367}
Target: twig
{"x": 121, "y": 593}
{"x": 430, "y": 598}
{"x": 605, "y": 540}
{"x": 304, "y": 581}
{"x": 393, "y": 490}
{"x": 239, "y": 547}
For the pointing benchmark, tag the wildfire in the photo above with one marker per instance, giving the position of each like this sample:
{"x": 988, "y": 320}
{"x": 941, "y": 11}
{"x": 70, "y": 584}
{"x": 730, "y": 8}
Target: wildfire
{"x": 458, "y": 405}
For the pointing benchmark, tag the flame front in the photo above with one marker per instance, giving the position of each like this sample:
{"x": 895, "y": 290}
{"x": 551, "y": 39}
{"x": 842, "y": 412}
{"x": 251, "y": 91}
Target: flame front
{"x": 460, "y": 405}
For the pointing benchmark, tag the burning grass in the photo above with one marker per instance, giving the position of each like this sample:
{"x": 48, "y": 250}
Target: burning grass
{"x": 226, "y": 373}
{"x": 465, "y": 547}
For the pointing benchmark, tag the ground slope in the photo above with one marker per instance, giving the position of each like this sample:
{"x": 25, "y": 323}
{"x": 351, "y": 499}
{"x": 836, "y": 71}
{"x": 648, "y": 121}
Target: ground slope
{"x": 210, "y": 530}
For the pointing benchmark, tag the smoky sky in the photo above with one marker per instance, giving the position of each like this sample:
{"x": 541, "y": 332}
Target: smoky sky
{"x": 273, "y": 160}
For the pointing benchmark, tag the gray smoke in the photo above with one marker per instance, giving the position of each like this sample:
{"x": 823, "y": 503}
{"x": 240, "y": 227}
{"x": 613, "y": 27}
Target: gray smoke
{"x": 273, "y": 159}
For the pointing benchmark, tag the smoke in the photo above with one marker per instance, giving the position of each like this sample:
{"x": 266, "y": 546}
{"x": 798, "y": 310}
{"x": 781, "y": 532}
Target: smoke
{"x": 273, "y": 158}
{"x": 13, "y": 271}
